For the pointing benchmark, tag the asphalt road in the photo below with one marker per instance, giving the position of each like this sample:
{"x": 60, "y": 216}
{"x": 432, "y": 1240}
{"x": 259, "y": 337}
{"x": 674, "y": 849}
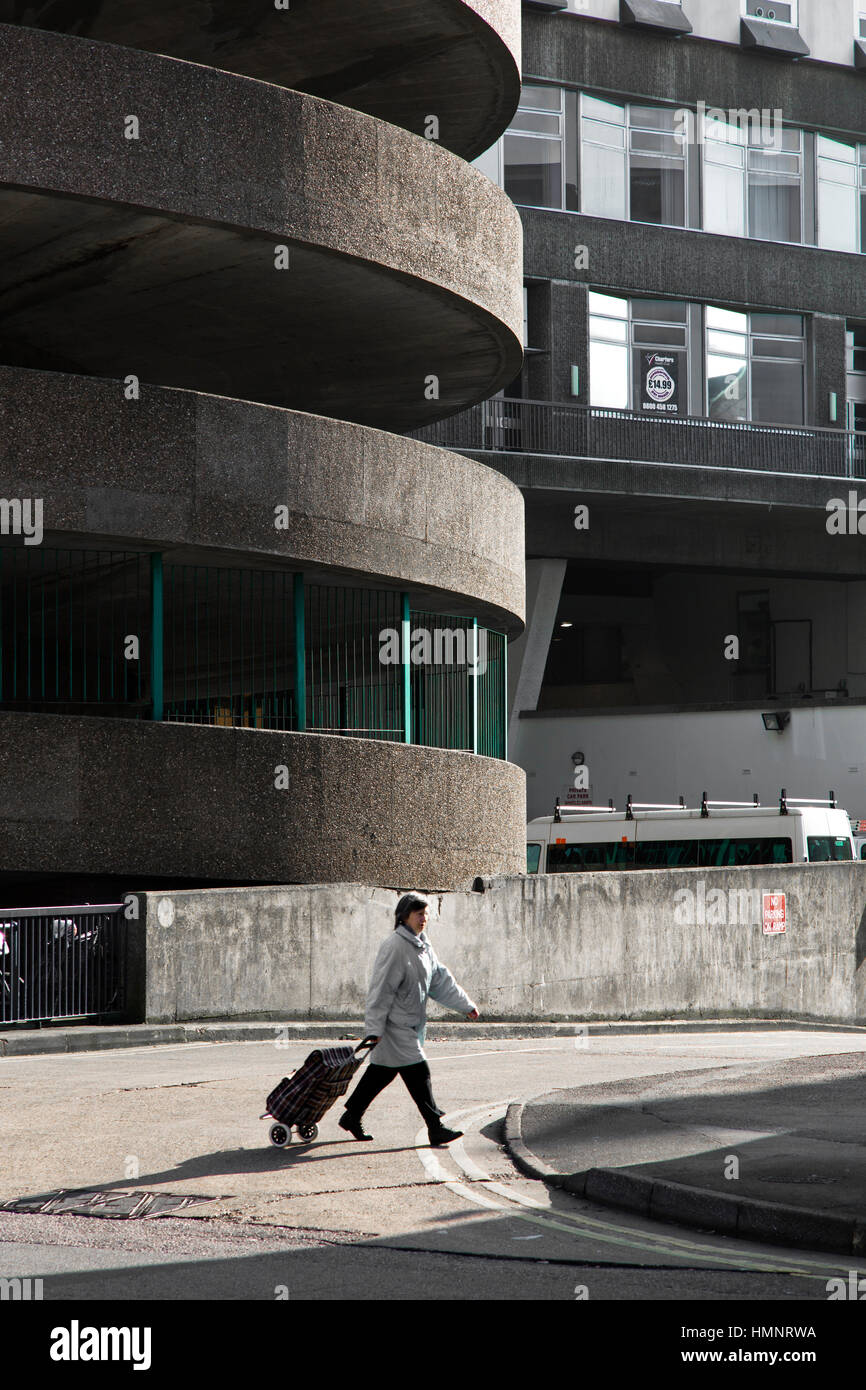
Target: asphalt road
{"x": 342, "y": 1220}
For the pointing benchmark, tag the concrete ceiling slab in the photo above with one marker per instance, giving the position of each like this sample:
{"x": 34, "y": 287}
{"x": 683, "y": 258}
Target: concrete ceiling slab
{"x": 399, "y": 60}
{"x": 157, "y": 256}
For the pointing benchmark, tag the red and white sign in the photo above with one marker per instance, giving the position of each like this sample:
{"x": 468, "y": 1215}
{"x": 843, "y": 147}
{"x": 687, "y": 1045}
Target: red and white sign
{"x": 775, "y": 914}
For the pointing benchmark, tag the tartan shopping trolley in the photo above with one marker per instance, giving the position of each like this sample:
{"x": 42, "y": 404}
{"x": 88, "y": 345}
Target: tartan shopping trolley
{"x": 309, "y": 1092}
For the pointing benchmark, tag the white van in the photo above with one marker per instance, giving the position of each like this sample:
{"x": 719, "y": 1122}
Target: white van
{"x": 716, "y": 834}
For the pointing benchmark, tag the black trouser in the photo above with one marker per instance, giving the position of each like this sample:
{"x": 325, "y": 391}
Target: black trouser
{"x": 417, "y": 1079}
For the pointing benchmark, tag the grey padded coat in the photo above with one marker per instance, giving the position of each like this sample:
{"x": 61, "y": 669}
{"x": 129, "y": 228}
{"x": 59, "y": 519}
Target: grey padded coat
{"x": 405, "y": 973}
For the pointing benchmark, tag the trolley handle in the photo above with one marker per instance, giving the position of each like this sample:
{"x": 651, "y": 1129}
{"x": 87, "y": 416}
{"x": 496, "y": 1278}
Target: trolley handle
{"x": 369, "y": 1041}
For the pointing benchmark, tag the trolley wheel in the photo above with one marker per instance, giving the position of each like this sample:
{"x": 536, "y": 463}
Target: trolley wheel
{"x": 281, "y": 1135}
{"x": 308, "y": 1133}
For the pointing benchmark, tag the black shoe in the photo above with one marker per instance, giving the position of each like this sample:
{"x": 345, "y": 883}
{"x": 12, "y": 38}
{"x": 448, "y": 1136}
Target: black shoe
{"x": 355, "y": 1128}
{"x": 444, "y": 1136}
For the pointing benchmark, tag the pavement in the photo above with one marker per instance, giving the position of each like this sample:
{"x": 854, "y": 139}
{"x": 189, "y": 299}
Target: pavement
{"x": 173, "y": 1130}
{"x": 772, "y": 1150}
{"x": 58, "y": 1038}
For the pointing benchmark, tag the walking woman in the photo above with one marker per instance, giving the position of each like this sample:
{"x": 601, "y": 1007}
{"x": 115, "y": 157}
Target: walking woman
{"x": 405, "y": 975}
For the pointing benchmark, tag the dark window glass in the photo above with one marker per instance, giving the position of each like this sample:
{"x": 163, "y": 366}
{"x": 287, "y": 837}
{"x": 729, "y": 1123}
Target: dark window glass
{"x": 666, "y": 854}
{"x": 539, "y": 122}
{"x": 659, "y": 336}
{"x": 774, "y": 207}
{"x": 654, "y": 118}
{"x": 658, "y": 190}
{"x": 778, "y": 347}
{"x": 566, "y": 859}
{"x": 777, "y": 392}
{"x": 545, "y": 98}
{"x": 659, "y": 311}
{"x": 533, "y": 171}
{"x": 824, "y": 849}
{"x": 782, "y": 325}
{"x": 533, "y": 856}
{"x": 721, "y": 853}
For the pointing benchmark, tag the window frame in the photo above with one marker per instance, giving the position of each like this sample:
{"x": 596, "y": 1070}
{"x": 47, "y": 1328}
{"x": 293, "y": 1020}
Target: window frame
{"x": 544, "y": 137}
{"x": 792, "y": 23}
{"x": 629, "y": 127}
{"x": 751, "y": 357}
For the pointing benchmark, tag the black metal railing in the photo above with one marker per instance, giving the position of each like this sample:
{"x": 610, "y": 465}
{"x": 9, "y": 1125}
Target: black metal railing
{"x": 61, "y": 962}
{"x": 567, "y": 430}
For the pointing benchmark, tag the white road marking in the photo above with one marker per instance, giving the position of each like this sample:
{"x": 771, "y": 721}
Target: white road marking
{"x": 607, "y": 1233}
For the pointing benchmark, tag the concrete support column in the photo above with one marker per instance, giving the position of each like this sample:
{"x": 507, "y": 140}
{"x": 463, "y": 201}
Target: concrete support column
{"x": 527, "y": 656}
{"x": 568, "y": 339}
{"x": 828, "y": 369}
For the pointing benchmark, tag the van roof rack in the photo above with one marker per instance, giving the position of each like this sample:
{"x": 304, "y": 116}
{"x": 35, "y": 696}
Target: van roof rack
{"x": 705, "y": 808}
{"x": 581, "y": 810}
{"x": 631, "y": 806}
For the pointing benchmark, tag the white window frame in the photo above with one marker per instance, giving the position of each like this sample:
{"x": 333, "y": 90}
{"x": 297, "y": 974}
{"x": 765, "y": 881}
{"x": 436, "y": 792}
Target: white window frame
{"x": 791, "y": 23}
{"x": 824, "y": 159}
{"x": 514, "y": 129}
{"x": 746, "y": 170}
{"x": 629, "y": 127}
{"x": 627, "y": 340}
{"x": 750, "y": 333}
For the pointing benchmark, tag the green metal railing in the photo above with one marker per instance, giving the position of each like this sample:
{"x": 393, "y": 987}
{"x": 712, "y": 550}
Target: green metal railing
{"x": 352, "y": 685}
{"x": 229, "y": 647}
{"x": 73, "y": 627}
{"x": 113, "y": 632}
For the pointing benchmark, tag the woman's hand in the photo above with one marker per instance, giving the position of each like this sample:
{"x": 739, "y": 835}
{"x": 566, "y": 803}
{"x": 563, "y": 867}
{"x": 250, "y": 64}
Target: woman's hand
{"x": 474, "y": 1014}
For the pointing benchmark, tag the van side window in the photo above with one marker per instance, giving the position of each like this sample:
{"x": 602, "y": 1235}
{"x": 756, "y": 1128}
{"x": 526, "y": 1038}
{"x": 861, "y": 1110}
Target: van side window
{"x": 826, "y": 848}
{"x": 533, "y": 857}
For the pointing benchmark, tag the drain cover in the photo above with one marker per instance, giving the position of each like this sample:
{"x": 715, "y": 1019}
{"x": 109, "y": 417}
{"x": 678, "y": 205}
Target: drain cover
{"x": 84, "y": 1202}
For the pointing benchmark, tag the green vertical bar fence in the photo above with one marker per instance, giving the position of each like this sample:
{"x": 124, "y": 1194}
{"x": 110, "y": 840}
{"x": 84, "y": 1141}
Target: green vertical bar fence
{"x": 157, "y": 635}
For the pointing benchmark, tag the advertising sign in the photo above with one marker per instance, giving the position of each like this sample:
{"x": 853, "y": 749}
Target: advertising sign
{"x": 660, "y": 383}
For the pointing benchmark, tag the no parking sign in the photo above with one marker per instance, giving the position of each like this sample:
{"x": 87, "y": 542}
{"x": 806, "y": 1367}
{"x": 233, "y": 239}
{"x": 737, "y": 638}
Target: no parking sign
{"x": 775, "y": 914}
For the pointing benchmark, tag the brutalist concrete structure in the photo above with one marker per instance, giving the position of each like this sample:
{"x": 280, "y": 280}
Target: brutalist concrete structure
{"x": 689, "y": 426}
{"x": 238, "y": 244}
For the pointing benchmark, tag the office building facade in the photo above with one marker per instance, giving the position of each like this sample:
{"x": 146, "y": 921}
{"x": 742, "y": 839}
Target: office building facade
{"x": 688, "y": 425}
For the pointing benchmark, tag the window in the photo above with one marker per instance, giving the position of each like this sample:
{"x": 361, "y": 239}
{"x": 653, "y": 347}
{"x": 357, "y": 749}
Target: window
{"x": 776, "y": 11}
{"x": 838, "y": 195}
{"x": 602, "y": 158}
{"x": 753, "y": 187}
{"x": 609, "y": 377}
{"x": 755, "y": 366}
{"x": 633, "y": 162}
{"x": 657, "y": 167}
{"x": 533, "y": 858}
{"x": 855, "y": 348}
{"x": 569, "y": 859}
{"x": 681, "y": 854}
{"x": 637, "y": 354}
{"x": 535, "y": 149}
{"x": 775, "y": 179}
{"x": 825, "y": 848}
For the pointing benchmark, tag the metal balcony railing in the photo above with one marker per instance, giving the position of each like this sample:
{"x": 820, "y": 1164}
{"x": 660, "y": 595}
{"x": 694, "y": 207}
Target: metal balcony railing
{"x": 566, "y": 430}
{"x": 62, "y": 962}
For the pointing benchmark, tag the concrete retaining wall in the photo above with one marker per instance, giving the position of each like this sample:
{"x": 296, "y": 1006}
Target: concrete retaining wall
{"x": 686, "y": 943}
